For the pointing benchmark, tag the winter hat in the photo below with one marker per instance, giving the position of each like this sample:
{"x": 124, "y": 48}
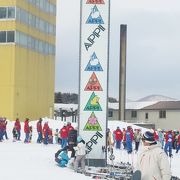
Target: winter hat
{"x": 79, "y": 138}
{"x": 148, "y": 137}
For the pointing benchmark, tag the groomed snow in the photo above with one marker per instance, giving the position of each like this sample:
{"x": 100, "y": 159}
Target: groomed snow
{"x": 19, "y": 161}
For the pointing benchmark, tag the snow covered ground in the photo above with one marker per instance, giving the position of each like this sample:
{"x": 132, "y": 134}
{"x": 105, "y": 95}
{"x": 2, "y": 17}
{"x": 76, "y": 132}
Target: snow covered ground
{"x": 19, "y": 161}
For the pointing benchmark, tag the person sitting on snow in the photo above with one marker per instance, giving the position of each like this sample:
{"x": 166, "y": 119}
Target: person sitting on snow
{"x": 61, "y": 157}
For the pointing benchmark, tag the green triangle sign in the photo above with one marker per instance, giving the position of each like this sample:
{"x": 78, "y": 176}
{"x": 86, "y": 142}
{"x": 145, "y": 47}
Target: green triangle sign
{"x": 92, "y": 124}
{"x": 93, "y": 103}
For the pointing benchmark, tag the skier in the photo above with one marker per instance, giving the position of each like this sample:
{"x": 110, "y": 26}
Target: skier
{"x": 39, "y": 130}
{"x": 64, "y": 136}
{"x": 153, "y": 162}
{"x": 129, "y": 139}
{"x": 30, "y": 133}
{"x": 4, "y": 128}
{"x": 17, "y": 124}
{"x": 45, "y": 132}
{"x": 69, "y": 127}
{"x": 118, "y": 137}
{"x": 161, "y": 137}
{"x": 15, "y": 134}
{"x": 56, "y": 136}
{"x": 137, "y": 139}
{"x": 72, "y": 141}
{"x": 26, "y": 130}
{"x": 169, "y": 141}
{"x": 178, "y": 144}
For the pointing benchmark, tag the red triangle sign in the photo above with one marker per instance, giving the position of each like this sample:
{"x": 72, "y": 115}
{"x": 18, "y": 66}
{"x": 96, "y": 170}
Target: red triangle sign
{"x": 93, "y": 84}
{"x": 95, "y": 2}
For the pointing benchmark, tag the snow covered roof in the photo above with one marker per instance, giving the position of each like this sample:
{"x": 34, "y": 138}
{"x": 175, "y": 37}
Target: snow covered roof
{"x": 129, "y": 105}
{"x": 133, "y": 104}
{"x": 65, "y": 106}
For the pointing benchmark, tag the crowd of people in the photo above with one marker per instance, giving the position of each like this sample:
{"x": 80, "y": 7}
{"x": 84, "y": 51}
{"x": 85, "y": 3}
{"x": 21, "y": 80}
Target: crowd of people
{"x": 167, "y": 139}
{"x": 158, "y": 144}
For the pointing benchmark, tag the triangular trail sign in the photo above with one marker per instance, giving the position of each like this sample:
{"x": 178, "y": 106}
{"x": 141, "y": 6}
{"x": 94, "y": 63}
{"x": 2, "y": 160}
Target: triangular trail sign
{"x": 92, "y": 124}
{"x": 93, "y": 64}
{"x": 93, "y": 103}
{"x": 95, "y": 17}
{"x": 95, "y": 2}
{"x": 93, "y": 84}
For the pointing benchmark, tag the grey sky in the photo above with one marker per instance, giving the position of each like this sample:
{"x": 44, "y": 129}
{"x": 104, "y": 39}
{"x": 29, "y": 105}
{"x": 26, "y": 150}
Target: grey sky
{"x": 153, "y": 47}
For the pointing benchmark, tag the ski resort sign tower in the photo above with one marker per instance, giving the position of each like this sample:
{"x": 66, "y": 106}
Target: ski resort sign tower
{"x": 93, "y": 78}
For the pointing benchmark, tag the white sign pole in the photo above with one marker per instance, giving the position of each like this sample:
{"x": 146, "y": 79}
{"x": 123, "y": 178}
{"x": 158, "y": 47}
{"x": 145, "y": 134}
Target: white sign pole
{"x": 93, "y": 81}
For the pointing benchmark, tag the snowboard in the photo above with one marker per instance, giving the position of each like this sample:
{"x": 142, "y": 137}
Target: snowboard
{"x": 136, "y": 175}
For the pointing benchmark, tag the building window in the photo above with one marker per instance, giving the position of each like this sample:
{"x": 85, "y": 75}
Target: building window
{"x": 2, "y": 36}
{"x": 162, "y": 114}
{"x": 7, "y": 12}
{"x": 110, "y": 114}
{"x": 134, "y": 114}
{"x": 146, "y": 115}
{"x": 11, "y": 12}
{"x": 10, "y": 36}
{"x": 2, "y": 12}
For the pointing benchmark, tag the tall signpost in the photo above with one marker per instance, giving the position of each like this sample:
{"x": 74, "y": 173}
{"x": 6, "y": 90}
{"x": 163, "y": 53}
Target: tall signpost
{"x": 93, "y": 79}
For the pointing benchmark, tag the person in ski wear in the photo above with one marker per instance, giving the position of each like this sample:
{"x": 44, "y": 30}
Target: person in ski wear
{"x": 4, "y": 128}
{"x": 178, "y": 144}
{"x": 30, "y": 133}
{"x": 15, "y": 134}
{"x": 61, "y": 157}
{"x": 64, "y": 136}
{"x": 17, "y": 124}
{"x": 168, "y": 145}
{"x": 80, "y": 154}
{"x": 152, "y": 161}
{"x": 129, "y": 138}
{"x": 72, "y": 141}
{"x": 69, "y": 127}
{"x": 161, "y": 137}
{"x": 50, "y": 136}
{"x": 45, "y": 132}
{"x": 118, "y": 137}
{"x": 26, "y": 130}
{"x": 56, "y": 136}
{"x": 39, "y": 130}
{"x": 137, "y": 139}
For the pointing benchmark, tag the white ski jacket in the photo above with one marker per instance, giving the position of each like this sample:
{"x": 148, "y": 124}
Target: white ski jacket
{"x": 153, "y": 164}
{"x": 80, "y": 149}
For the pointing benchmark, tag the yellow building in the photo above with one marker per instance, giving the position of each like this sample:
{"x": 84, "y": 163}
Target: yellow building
{"x": 27, "y": 58}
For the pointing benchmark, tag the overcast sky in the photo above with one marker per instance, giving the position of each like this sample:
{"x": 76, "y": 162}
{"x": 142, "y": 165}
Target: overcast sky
{"x": 153, "y": 47}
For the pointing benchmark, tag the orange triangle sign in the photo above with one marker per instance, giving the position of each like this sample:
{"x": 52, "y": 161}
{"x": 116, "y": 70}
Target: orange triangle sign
{"x": 93, "y": 84}
{"x": 95, "y": 2}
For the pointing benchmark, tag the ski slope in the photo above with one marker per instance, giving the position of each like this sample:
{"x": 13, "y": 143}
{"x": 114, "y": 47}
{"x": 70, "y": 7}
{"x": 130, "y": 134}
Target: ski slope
{"x": 19, "y": 161}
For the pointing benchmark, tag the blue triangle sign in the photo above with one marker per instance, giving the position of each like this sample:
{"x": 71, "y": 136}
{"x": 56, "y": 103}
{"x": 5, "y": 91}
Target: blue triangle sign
{"x": 94, "y": 64}
{"x": 95, "y": 17}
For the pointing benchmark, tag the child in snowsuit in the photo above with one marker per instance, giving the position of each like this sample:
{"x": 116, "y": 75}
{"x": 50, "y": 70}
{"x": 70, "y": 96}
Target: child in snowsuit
{"x": 61, "y": 157}
{"x": 80, "y": 154}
